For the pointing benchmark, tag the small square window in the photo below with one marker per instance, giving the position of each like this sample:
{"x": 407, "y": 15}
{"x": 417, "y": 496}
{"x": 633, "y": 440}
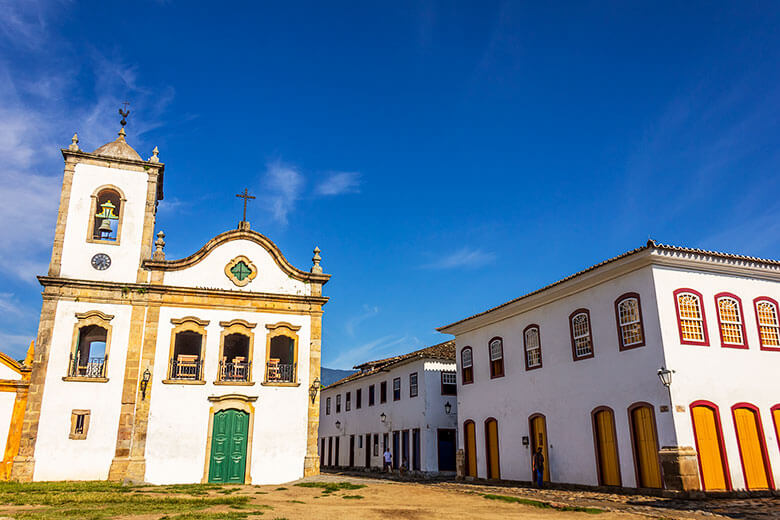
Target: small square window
{"x": 79, "y": 424}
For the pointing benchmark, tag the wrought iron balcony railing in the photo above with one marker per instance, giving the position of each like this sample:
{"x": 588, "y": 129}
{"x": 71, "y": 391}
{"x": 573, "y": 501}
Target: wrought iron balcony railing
{"x": 280, "y": 373}
{"x": 234, "y": 371}
{"x": 191, "y": 369}
{"x": 87, "y": 367}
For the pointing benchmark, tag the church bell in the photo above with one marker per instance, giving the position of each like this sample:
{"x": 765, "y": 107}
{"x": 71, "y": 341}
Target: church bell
{"x": 105, "y": 228}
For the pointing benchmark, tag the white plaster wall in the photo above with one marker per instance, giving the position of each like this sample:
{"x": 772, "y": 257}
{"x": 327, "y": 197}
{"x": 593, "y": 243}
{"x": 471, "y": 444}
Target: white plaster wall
{"x": 77, "y": 252}
{"x": 405, "y": 414}
{"x": 435, "y": 414}
{"x": 563, "y": 390}
{"x": 210, "y": 272}
{"x": 9, "y": 373}
{"x": 6, "y": 410}
{"x": 179, "y": 414}
{"x": 724, "y": 376}
{"x": 56, "y": 456}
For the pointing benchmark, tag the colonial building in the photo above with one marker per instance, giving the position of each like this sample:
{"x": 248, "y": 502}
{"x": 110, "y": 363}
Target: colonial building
{"x": 658, "y": 367}
{"x": 167, "y": 371}
{"x": 14, "y": 384}
{"x": 406, "y": 403}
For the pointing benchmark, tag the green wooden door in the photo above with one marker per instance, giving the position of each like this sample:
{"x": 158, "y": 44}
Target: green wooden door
{"x": 228, "y": 447}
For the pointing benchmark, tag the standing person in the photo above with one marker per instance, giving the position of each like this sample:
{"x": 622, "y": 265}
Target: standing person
{"x": 538, "y": 467}
{"x": 388, "y": 460}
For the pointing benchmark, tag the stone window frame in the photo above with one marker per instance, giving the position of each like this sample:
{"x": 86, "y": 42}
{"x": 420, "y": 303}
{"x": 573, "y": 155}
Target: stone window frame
{"x": 281, "y": 328}
{"x": 74, "y": 414}
{"x": 86, "y": 319}
{"x": 252, "y": 268}
{"x": 187, "y": 324}
{"x": 93, "y": 211}
{"x": 237, "y": 326}
{"x": 243, "y": 403}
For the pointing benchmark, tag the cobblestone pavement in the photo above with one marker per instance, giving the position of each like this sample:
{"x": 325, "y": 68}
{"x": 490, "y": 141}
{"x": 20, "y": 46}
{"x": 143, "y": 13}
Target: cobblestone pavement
{"x": 650, "y": 506}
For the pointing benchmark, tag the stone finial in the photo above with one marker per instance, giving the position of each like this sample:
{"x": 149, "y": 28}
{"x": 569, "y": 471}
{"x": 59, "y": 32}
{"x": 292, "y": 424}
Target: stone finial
{"x": 28, "y": 359}
{"x": 316, "y": 268}
{"x": 159, "y": 244}
{"x": 74, "y": 143}
{"x": 122, "y": 134}
{"x": 154, "y": 157}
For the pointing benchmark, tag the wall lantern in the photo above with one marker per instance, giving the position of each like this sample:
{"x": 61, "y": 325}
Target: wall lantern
{"x": 447, "y": 408}
{"x": 338, "y": 425}
{"x": 383, "y": 417}
{"x": 665, "y": 375}
{"x": 145, "y": 382}
{"x": 314, "y": 388}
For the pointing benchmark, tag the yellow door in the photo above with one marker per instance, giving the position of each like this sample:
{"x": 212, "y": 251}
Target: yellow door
{"x": 708, "y": 445}
{"x": 776, "y": 417}
{"x": 539, "y": 438}
{"x": 606, "y": 447}
{"x": 645, "y": 448}
{"x": 751, "y": 449}
{"x": 491, "y": 439}
{"x": 471, "y": 449}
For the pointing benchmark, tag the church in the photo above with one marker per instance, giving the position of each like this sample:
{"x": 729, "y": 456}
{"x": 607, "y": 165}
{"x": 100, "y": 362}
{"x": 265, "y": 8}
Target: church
{"x": 148, "y": 369}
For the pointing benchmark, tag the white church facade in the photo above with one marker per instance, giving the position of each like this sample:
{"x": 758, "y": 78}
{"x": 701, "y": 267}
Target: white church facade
{"x": 406, "y": 404}
{"x": 657, "y": 368}
{"x": 203, "y": 369}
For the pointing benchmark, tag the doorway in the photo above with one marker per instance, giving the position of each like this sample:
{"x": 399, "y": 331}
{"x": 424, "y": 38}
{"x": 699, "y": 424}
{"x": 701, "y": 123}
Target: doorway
{"x": 709, "y": 446}
{"x": 367, "y": 445}
{"x": 470, "y": 448}
{"x": 605, "y": 437}
{"x": 645, "y": 445}
{"x": 491, "y": 449}
{"x": 351, "y": 451}
{"x": 538, "y": 429}
{"x": 228, "y": 447}
{"x": 752, "y": 451}
{"x": 396, "y": 442}
{"x": 446, "y": 444}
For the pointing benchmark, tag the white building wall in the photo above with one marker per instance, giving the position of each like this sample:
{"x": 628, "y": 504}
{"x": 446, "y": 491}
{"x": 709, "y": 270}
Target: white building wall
{"x": 6, "y": 409}
{"x": 565, "y": 391}
{"x": 58, "y": 457}
{"x": 179, "y": 414}
{"x": 435, "y": 415}
{"x": 77, "y": 253}
{"x": 724, "y": 376}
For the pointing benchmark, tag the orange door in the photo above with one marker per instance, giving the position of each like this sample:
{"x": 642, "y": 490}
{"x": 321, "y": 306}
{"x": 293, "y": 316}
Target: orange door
{"x": 606, "y": 448}
{"x": 751, "y": 449}
{"x": 539, "y": 438}
{"x": 491, "y": 445}
{"x": 645, "y": 448}
{"x": 708, "y": 446}
{"x": 470, "y": 446}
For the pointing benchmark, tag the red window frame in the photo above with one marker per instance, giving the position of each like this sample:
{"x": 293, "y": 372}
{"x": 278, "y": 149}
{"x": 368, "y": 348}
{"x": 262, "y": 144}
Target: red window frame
{"x": 525, "y": 346}
{"x": 706, "y": 342}
{"x": 496, "y": 367}
{"x": 590, "y": 335}
{"x": 618, "y": 301}
{"x": 467, "y": 373}
{"x": 723, "y": 344}
{"x": 758, "y": 323}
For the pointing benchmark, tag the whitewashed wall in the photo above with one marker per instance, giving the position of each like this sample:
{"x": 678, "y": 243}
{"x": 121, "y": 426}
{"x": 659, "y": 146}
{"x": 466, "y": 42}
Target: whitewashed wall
{"x": 724, "y": 376}
{"x": 56, "y": 456}
{"x": 77, "y": 252}
{"x": 7, "y": 400}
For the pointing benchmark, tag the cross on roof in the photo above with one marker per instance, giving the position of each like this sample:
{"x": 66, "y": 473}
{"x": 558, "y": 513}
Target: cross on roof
{"x": 246, "y": 196}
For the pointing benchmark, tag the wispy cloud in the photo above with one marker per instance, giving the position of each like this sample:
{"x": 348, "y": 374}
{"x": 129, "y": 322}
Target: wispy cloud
{"x": 338, "y": 183}
{"x": 354, "y": 321}
{"x": 282, "y": 187}
{"x": 465, "y": 258}
{"x": 10, "y": 305}
{"x": 379, "y": 348}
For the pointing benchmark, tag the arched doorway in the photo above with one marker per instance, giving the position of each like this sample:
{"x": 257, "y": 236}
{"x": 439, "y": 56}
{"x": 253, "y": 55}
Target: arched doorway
{"x": 470, "y": 448}
{"x": 644, "y": 440}
{"x": 229, "y": 441}
{"x": 752, "y": 450}
{"x": 491, "y": 449}
{"x": 605, "y": 438}
{"x": 537, "y": 426}
{"x": 709, "y": 446}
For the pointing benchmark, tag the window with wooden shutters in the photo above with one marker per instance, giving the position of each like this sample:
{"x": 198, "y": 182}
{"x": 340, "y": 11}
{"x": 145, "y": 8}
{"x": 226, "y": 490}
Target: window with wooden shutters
{"x": 581, "y": 337}
{"x": 348, "y": 402}
{"x": 449, "y": 383}
{"x": 338, "y": 403}
{"x": 327, "y": 406}
{"x": 533, "y": 347}
{"x": 397, "y": 389}
{"x": 629, "y": 319}
{"x": 730, "y": 323}
{"x": 496, "y": 348}
{"x": 690, "y": 317}
{"x": 413, "y": 384}
{"x": 768, "y": 326}
{"x": 466, "y": 365}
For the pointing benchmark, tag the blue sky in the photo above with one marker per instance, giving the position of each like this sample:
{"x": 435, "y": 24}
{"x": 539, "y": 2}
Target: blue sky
{"x": 445, "y": 156}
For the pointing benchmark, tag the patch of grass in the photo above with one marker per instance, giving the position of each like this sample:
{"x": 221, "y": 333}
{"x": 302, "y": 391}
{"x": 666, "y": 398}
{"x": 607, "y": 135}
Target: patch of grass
{"x": 261, "y": 492}
{"x": 212, "y": 516}
{"x": 281, "y": 489}
{"x": 543, "y": 505}
{"x": 356, "y": 497}
{"x": 296, "y": 501}
{"x": 331, "y": 487}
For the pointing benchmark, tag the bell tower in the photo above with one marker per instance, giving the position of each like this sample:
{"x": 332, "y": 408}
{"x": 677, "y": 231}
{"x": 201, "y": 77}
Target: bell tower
{"x": 107, "y": 211}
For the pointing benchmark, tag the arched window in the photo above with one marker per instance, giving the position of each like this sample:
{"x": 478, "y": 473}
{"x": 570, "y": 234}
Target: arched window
{"x": 282, "y": 354}
{"x": 581, "y": 336}
{"x": 533, "y": 347}
{"x": 628, "y": 314}
{"x": 467, "y": 365}
{"x": 767, "y": 321}
{"x": 730, "y": 322}
{"x": 691, "y": 321}
{"x": 496, "y": 347}
{"x": 89, "y": 351}
{"x": 235, "y": 352}
{"x": 107, "y": 207}
{"x": 188, "y": 338}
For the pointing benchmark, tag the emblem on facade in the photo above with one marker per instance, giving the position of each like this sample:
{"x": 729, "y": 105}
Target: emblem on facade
{"x": 241, "y": 270}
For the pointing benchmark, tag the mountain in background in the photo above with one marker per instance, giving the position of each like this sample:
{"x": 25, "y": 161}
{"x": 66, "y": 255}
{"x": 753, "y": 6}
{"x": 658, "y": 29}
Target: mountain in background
{"x": 328, "y": 376}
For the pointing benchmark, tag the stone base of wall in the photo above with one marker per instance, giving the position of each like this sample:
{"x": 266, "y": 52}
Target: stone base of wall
{"x": 23, "y": 469}
{"x": 460, "y": 464}
{"x": 311, "y": 466}
{"x": 680, "y": 468}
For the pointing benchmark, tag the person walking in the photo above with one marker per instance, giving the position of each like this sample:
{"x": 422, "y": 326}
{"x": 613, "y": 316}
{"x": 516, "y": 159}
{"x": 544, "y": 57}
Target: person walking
{"x": 388, "y": 460}
{"x": 538, "y": 467}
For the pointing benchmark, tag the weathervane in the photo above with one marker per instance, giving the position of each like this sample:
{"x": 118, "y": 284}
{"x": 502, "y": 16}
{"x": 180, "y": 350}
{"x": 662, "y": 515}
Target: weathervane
{"x": 246, "y": 196}
{"x": 124, "y": 114}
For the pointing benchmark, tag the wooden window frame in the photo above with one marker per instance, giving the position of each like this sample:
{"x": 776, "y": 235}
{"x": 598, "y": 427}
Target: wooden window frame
{"x": 338, "y": 403}
{"x": 761, "y": 440}
{"x": 731, "y": 296}
{"x": 358, "y": 398}
{"x": 455, "y": 384}
{"x": 347, "y": 402}
{"x": 383, "y": 392}
{"x": 399, "y": 389}
{"x": 620, "y": 299}
{"x": 245, "y": 329}
{"x": 85, "y": 427}
{"x": 470, "y": 373}
{"x": 86, "y": 319}
{"x": 771, "y": 301}
{"x": 634, "y": 406}
{"x": 722, "y": 445}
{"x": 573, "y": 315}
{"x": 525, "y": 346}
{"x": 594, "y": 431}
{"x": 187, "y": 324}
{"x": 93, "y": 212}
{"x": 683, "y": 341}
{"x": 282, "y": 328}
{"x": 414, "y": 386}
{"x": 327, "y": 405}
{"x": 493, "y": 373}
{"x": 371, "y": 395}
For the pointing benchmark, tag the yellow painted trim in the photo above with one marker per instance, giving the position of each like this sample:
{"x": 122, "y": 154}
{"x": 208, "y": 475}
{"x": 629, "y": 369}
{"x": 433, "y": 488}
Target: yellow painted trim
{"x": 85, "y": 319}
{"x": 237, "y": 327}
{"x": 281, "y": 329}
{"x": 231, "y": 402}
{"x": 93, "y": 211}
{"x": 252, "y": 271}
{"x": 183, "y": 382}
{"x": 191, "y": 324}
{"x": 86, "y": 379}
